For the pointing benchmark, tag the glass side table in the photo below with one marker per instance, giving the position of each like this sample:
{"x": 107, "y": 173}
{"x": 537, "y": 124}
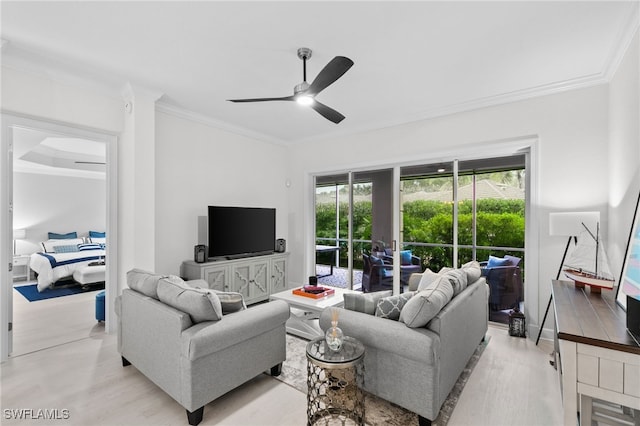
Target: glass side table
{"x": 335, "y": 381}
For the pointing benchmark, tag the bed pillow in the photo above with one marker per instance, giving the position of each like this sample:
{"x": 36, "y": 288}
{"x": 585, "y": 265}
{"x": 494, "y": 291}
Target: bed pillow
{"x": 67, "y": 236}
{"x": 49, "y": 245}
{"x": 96, "y": 234}
{"x": 71, "y": 248}
{"x": 89, "y": 246}
{"x": 201, "y": 304}
{"x": 97, "y": 240}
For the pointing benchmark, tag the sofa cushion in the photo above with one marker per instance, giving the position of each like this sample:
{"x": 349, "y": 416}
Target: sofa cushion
{"x": 473, "y": 271}
{"x": 201, "y": 304}
{"x": 458, "y": 280}
{"x": 426, "y": 304}
{"x": 144, "y": 282}
{"x": 364, "y": 302}
{"x": 428, "y": 277}
{"x": 391, "y": 306}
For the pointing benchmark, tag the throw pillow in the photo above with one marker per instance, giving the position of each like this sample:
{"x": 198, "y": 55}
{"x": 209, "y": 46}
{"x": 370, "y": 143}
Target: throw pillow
{"x": 473, "y": 271}
{"x": 201, "y": 304}
{"x": 364, "y": 302}
{"x": 405, "y": 257}
{"x": 96, "y": 234}
{"x": 426, "y": 304}
{"x": 513, "y": 261}
{"x": 144, "y": 282}
{"x": 71, "y": 248}
{"x": 458, "y": 280}
{"x": 231, "y": 301}
{"x": 414, "y": 280}
{"x": 497, "y": 261}
{"x": 428, "y": 276}
{"x": 390, "y": 307}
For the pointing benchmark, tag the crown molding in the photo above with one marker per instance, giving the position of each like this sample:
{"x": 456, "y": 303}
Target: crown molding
{"x": 212, "y": 122}
{"x": 625, "y": 37}
{"x": 475, "y": 104}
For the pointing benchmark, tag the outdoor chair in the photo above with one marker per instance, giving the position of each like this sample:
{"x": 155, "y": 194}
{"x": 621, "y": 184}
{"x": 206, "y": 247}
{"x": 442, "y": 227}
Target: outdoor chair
{"x": 505, "y": 282}
{"x": 376, "y": 274}
{"x": 409, "y": 264}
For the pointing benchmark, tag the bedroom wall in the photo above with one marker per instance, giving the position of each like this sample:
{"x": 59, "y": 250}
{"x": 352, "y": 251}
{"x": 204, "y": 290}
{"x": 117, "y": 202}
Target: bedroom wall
{"x": 572, "y": 133}
{"x": 46, "y": 203}
{"x": 198, "y": 165}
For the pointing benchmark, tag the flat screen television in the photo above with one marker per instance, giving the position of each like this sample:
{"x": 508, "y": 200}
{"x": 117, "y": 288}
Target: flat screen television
{"x": 241, "y": 231}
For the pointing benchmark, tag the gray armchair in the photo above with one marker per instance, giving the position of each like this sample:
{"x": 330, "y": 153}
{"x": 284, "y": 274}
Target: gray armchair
{"x": 193, "y": 361}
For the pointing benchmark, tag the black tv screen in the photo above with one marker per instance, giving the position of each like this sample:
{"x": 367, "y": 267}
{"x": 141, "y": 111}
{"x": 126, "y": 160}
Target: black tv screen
{"x": 241, "y": 231}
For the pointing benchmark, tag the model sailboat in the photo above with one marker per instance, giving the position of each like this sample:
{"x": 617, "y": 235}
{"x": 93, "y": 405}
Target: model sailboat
{"x": 588, "y": 264}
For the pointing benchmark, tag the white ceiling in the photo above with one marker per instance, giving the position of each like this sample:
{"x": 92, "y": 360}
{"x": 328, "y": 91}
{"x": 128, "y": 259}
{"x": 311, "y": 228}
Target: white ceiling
{"x": 413, "y": 60}
{"x": 35, "y": 151}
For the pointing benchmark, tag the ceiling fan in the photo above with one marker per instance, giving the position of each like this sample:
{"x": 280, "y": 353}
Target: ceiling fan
{"x": 305, "y": 93}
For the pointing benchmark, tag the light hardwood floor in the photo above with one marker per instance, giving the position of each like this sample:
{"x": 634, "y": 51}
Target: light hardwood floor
{"x": 513, "y": 384}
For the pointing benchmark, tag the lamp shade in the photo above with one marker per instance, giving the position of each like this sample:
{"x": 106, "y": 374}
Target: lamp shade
{"x": 19, "y": 234}
{"x": 569, "y": 224}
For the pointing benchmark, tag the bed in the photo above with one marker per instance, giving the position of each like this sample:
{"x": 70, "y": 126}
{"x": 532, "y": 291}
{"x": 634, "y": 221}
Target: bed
{"x": 60, "y": 260}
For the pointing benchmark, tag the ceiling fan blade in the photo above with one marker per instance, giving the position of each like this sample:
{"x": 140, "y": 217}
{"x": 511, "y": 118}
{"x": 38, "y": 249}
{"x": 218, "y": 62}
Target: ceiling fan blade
{"x": 329, "y": 74}
{"x": 328, "y": 113}
{"x": 284, "y": 98}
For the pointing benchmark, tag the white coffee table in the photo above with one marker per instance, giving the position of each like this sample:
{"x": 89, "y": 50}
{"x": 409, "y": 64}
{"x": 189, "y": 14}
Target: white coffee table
{"x": 305, "y": 311}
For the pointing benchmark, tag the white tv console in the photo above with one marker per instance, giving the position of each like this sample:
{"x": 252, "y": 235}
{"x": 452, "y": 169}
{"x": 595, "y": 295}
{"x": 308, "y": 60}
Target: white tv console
{"x": 256, "y": 278}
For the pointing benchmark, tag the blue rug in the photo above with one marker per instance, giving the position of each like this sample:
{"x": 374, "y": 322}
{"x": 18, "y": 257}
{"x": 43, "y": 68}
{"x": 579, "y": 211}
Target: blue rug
{"x": 30, "y": 292}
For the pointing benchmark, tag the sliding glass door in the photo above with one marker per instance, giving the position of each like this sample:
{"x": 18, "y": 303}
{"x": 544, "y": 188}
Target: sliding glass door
{"x": 354, "y": 221}
{"x": 448, "y": 214}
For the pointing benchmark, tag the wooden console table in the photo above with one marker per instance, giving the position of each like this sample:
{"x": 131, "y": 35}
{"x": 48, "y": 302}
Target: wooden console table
{"x": 598, "y": 358}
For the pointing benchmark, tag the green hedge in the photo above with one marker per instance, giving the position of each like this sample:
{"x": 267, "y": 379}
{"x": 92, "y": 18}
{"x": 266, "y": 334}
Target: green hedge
{"x": 499, "y": 223}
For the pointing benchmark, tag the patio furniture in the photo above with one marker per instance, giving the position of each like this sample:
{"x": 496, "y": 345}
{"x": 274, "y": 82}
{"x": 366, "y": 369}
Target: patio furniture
{"x": 505, "y": 282}
{"x": 409, "y": 264}
{"x": 376, "y": 274}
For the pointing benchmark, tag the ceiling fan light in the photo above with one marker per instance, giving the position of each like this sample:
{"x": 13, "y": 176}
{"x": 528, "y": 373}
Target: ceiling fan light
{"x": 305, "y": 100}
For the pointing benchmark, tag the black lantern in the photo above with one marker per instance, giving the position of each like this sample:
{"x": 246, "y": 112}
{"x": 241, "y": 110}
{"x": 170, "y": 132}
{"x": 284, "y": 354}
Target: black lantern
{"x": 517, "y": 323}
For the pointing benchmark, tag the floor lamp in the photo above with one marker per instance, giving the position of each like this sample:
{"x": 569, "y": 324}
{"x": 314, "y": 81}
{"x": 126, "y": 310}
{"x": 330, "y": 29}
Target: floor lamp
{"x": 570, "y": 225}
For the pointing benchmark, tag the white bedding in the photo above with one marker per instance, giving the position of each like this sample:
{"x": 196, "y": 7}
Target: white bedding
{"x": 66, "y": 264}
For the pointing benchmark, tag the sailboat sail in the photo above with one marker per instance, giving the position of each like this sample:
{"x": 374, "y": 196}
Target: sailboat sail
{"x": 588, "y": 263}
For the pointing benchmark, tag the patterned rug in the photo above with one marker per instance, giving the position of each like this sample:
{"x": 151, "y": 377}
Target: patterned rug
{"x": 378, "y": 411}
{"x": 338, "y": 278}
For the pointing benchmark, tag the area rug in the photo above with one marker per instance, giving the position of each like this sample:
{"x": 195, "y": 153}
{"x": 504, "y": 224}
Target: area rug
{"x": 378, "y": 411}
{"x": 338, "y": 278}
{"x": 30, "y": 291}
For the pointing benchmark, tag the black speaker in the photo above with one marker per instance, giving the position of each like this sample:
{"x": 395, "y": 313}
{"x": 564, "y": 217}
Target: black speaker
{"x": 200, "y": 253}
{"x": 281, "y": 245}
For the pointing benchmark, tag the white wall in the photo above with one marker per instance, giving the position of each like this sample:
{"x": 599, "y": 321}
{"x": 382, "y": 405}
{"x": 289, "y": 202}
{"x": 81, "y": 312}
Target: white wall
{"x": 624, "y": 143}
{"x": 572, "y": 131}
{"x": 46, "y": 203}
{"x": 198, "y": 165}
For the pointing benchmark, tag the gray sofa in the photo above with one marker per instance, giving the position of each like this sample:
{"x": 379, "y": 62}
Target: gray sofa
{"x": 416, "y": 367}
{"x": 194, "y": 358}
